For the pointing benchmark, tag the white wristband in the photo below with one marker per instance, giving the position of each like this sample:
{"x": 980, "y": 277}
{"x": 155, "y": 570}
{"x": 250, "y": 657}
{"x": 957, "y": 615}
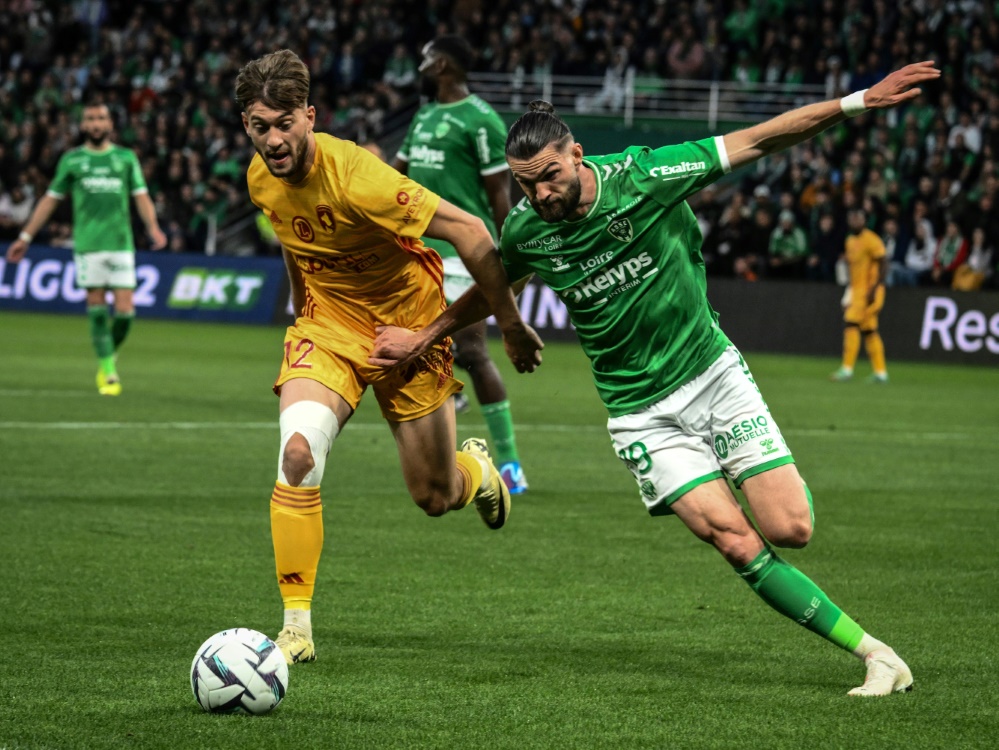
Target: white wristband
{"x": 25, "y": 237}
{"x": 853, "y": 104}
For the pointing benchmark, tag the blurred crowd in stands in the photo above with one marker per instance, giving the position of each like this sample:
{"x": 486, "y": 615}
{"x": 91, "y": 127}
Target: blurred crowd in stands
{"x": 927, "y": 173}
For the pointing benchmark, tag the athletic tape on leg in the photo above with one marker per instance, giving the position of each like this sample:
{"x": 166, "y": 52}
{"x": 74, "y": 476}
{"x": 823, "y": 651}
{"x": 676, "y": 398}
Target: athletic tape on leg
{"x": 317, "y": 424}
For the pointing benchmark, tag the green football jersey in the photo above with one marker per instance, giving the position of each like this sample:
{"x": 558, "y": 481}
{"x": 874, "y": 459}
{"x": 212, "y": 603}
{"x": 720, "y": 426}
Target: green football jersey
{"x": 101, "y": 183}
{"x": 449, "y": 148}
{"x": 630, "y": 272}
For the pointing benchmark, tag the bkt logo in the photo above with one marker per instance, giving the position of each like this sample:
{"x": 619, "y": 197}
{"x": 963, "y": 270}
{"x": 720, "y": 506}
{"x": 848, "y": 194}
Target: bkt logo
{"x": 619, "y": 274}
{"x": 215, "y": 289}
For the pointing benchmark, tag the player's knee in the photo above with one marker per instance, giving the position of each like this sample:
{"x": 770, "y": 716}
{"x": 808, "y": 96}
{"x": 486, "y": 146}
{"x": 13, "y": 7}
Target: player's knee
{"x": 308, "y": 429}
{"x": 794, "y": 533}
{"x": 470, "y": 358}
{"x": 297, "y": 460}
{"x": 792, "y": 530}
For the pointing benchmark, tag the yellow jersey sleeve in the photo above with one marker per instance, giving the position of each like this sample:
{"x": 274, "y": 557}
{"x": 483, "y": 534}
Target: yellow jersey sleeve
{"x": 384, "y": 196}
{"x": 875, "y": 247}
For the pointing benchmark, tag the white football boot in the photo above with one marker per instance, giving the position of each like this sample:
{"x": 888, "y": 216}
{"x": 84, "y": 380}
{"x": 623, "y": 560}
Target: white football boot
{"x": 886, "y": 674}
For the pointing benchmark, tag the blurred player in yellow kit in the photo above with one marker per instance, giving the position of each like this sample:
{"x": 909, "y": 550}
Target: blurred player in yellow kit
{"x": 350, "y": 229}
{"x": 868, "y": 261}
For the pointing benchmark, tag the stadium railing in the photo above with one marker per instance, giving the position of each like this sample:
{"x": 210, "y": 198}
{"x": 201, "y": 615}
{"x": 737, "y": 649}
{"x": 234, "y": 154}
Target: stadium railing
{"x": 631, "y": 96}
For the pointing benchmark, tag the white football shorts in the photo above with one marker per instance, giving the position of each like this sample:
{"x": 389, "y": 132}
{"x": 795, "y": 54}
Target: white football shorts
{"x": 109, "y": 269}
{"x": 717, "y": 425}
{"x": 457, "y": 279}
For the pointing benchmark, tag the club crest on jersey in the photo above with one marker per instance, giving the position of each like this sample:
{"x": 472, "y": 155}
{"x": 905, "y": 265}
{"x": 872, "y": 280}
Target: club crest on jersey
{"x": 621, "y": 230}
{"x": 303, "y": 229}
{"x": 442, "y": 129}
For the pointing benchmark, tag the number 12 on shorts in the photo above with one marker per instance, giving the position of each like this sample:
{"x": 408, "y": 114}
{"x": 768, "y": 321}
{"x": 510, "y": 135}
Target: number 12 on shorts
{"x": 299, "y": 354}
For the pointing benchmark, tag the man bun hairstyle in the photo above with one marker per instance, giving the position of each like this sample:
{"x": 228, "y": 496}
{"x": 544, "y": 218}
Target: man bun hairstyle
{"x": 535, "y": 130}
{"x": 457, "y": 48}
{"x": 279, "y": 80}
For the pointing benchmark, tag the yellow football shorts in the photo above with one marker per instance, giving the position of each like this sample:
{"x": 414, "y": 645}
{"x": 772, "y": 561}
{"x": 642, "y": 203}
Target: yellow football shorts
{"x": 336, "y": 356}
{"x": 860, "y": 313}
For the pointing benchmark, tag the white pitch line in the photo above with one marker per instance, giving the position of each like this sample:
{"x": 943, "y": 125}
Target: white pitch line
{"x": 21, "y": 392}
{"x": 901, "y": 435}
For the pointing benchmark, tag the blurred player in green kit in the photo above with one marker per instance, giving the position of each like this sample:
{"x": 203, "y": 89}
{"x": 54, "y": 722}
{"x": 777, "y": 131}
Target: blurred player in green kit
{"x": 100, "y": 176}
{"x": 455, "y": 147}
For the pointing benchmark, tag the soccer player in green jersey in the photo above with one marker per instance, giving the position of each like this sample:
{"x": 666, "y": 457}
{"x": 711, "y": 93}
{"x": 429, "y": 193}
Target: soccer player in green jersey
{"x": 100, "y": 176}
{"x": 615, "y": 238}
{"x": 455, "y": 147}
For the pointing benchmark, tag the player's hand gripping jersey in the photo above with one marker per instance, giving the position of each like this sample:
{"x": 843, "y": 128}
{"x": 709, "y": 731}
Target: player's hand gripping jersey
{"x": 630, "y": 271}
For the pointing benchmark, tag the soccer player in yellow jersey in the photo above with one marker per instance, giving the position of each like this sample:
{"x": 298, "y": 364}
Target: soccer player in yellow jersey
{"x": 350, "y": 229}
{"x": 868, "y": 261}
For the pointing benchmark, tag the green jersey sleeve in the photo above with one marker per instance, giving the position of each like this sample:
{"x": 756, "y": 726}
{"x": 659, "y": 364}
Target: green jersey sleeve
{"x": 516, "y": 268}
{"x": 135, "y": 176}
{"x": 672, "y": 174}
{"x": 490, "y": 145}
{"x": 63, "y": 180}
{"x": 407, "y": 142}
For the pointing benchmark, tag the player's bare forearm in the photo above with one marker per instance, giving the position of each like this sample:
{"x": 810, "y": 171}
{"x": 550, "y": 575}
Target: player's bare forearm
{"x": 475, "y": 247}
{"x": 147, "y": 212}
{"x": 799, "y": 125}
{"x": 399, "y": 346}
{"x": 396, "y": 346}
{"x": 296, "y": 281}
{"x": 42, "y": 213}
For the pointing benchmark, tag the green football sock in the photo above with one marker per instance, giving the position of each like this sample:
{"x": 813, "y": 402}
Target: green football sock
{"x": 794, "y": 595}
{"x": 500, "y": 425}
{"x": 100, "y": 335}
{"x": 120, "y": 327}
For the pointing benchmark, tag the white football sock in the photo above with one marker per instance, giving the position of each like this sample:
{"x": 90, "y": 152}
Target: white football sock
{"x": 300, "y": 618}
{"x": 866, "y": 645}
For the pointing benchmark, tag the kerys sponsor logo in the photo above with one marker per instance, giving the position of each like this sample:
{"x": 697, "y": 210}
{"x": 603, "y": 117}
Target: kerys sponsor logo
{"x": 426, "y": 156}
{"x": 612, "y": 281}
{"x": 102, "y": 184}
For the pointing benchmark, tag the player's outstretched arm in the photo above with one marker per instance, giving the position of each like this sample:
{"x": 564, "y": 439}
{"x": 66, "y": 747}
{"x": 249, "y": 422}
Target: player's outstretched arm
{"x": 400, "y": 346}
{"x": 39, "y": 217}
{"x": 798, "y": 125}
{"x": 477, "y": 251}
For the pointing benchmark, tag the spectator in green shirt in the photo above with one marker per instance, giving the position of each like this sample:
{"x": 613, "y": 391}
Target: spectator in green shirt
{"x": 788, "y": 248}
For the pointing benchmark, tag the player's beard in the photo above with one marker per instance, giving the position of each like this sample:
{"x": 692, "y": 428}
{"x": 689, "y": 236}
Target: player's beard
{"x": 559, "y": 209}
{"x": 295, "y": 164}
{"x": 96, "y": 138}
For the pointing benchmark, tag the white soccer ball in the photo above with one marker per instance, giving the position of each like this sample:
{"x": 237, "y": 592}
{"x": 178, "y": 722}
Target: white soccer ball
{"x": 239, "y": 671}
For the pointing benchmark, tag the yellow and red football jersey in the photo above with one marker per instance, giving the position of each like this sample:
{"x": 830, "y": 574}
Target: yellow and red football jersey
{"x": 353, "y": 227}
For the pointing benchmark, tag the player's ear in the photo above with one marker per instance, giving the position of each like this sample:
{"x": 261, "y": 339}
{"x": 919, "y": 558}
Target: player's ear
{"x": 310, "y": 115}
{"x": 246, "y": 122}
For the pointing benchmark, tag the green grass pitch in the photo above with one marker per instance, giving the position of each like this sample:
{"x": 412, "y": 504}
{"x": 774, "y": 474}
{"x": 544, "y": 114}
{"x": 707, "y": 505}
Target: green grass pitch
{"x": 132, "y": 528}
